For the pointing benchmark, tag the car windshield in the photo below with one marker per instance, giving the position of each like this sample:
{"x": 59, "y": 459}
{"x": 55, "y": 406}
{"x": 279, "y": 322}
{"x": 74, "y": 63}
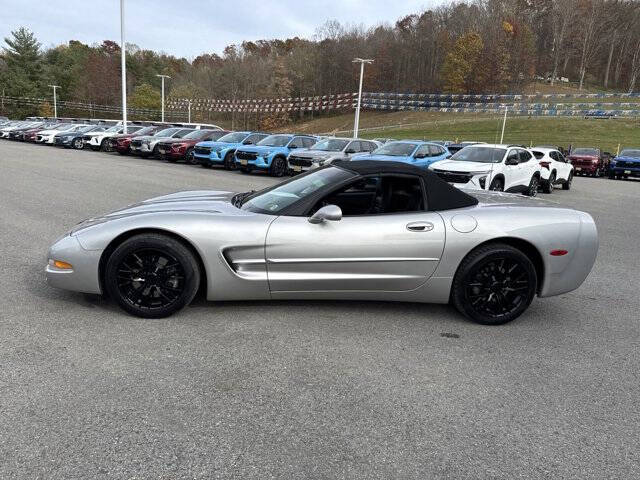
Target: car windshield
{"x": 584, "y": 151}
{"x": 115, "y": 128}
{"x": 167, "y": 132}
{"x": 396, "y": 149}
{"x": 272, "y": 201}
{"x": 330, "y": 145}
{"x": 479, "y": 154}
{"x": 140, "y": 130}
{"x": 274, "y": 141}
{"x": 64, "y": 126}
{"x": 197, "y": 134}
{"x": 233, "y": 137}
{"x": 88, "y": 128}
{"x": 630, "y": 153}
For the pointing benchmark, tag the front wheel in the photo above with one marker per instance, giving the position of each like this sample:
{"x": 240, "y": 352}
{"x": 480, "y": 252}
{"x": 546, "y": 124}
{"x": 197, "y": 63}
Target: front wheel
{"x": 567, "y": 185}
{"x": 189, "y": 156}
{"x": 532, "y": 191}
{"x": 278, "y": 167}
{"x": 497, "y": 185}
{"x": 494, "y": 284}
{"x": 105, "y": 145}
{"x": 548, "y": 186}
{"x": 77, "y": 144}
{"x": 152, "y": 275}
{"x": 229, "y": 161}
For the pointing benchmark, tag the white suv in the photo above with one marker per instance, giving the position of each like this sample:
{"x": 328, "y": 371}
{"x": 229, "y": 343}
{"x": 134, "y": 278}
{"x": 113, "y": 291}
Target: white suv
{"x": 509, "y": 168}
{"x": 556, "y": 170}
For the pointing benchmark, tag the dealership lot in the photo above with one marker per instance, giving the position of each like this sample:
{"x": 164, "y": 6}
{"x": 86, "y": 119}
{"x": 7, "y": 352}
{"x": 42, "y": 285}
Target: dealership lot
{"x": 303, "y": 389}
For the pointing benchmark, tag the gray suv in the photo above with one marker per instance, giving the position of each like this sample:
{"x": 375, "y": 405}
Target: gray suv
{"x": 328, "y": 150}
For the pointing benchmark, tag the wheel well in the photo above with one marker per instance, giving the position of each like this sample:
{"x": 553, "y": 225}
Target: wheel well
{"x": 536, "y": 174}
{"x": 498, "y": 176}
{"x": 126, "y": 235}
{"x": 525, "y": 247}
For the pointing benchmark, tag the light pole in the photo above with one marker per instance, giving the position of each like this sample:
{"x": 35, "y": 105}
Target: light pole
{"x": 123, "y": 66}
{"x": 504, "y": 122}
{"x": 55, "y": 101}
{"x": 163, "y": 77}
{"x": 189, "y": 111}
{"x": 356, "y": 123}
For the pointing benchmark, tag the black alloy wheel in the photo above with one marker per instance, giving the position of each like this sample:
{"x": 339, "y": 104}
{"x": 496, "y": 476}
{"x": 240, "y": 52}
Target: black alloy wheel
{"x": 494, "y": 284}
{"x": 278, "y": 167}
{"x": 152, "y": 275}
{"x": 229, "y": 161}
{"x": 532, "y": 191}
{"x": 497, "y": 185}
{"x": 190, "y": 157}
{"x": 548, "y": 186}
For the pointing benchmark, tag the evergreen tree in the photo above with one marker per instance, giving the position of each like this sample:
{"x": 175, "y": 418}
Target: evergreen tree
{"x": 23, "y": 74}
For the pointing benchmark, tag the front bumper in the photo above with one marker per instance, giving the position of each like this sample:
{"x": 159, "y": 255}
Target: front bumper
{"x": 261, "y": 163}
{"x": 62, "y": 142}
{"x": 84, "y": 276}
{"x": 626, "y": 170}
{"x": 581, "y": 169}
{"x": 213, "y": 156}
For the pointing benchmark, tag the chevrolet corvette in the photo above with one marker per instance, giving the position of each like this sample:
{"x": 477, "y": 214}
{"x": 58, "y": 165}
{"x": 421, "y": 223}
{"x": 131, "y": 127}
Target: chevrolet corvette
{"x": 367, "y": 230}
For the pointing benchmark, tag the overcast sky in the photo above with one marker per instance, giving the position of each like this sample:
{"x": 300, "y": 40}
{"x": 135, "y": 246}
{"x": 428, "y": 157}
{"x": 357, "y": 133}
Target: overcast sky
{"x": 190, "y": 27}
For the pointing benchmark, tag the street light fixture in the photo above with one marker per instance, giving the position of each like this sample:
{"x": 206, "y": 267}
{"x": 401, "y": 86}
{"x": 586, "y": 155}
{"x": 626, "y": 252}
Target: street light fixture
{"x": 163, "y": 77}
{"x": 356, "y": 123}
{"x": 55, "y": 101}
{"x": 123, "y": 66}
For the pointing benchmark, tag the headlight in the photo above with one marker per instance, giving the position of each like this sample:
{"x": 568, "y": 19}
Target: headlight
{"x": 484, "y": 172}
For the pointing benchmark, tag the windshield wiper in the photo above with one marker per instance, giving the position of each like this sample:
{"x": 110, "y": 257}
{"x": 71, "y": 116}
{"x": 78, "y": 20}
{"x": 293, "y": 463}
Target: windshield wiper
{"x": 238, "y": 199}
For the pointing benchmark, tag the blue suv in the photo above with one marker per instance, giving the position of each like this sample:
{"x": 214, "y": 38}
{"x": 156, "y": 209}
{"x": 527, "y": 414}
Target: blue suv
{"x": 223, "y": 150}
{"x": 414, "y": 152}
{"x": 626, "y": 164}
{"x": 270, "y": 154}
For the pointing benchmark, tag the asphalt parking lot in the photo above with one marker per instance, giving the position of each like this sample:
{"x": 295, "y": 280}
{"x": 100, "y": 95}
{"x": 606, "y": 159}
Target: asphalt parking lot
{"x": 303, "y": 389}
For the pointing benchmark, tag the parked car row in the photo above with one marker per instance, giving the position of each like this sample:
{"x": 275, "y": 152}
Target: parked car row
{"x": 467, "y": 165}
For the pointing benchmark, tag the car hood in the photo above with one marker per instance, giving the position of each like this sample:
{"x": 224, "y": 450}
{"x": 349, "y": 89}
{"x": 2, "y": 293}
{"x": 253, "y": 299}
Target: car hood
{"x": 180, "y": 140}
{"x": 462, "y": 166}
{"x": 197, "y": 201}
{"x": 308, "y": 153}
{"x": 384, "y": 158}
{"x": 213, "y": 144}
{"x": 262, "y": 150}
{"x": 52, "y": 132}
{"x": 627, "y": 159}
{"x": 583, "y": 157}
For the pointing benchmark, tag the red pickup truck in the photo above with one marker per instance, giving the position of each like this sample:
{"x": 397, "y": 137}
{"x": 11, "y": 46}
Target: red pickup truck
{"x": 589, "y": 161}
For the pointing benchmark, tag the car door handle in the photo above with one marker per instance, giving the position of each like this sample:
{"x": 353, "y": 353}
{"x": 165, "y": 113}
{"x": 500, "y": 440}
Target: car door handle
{"x": 420, "y": 226}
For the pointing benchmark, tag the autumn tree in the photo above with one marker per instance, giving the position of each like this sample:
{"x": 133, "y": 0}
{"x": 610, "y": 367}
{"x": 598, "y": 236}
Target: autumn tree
{"x": 460, "y": 64}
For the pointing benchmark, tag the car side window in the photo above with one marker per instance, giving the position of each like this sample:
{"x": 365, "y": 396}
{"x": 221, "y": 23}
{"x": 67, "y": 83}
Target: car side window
{"x": 378, "y": 195}
{"x": 353, "y": 147}
{"x": 435, "y": 151}
{"x": 560, "y": 157}
{"x": 422, "y": 152}
{"x": 296, "y": 143}
{"x": 252, "y": 139}
{"x": 513, "y": 155}
{"x": 368, "y": 146}
{"x": 525, "y": 156}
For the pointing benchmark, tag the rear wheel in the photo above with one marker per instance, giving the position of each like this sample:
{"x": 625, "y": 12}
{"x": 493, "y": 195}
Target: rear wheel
{"x": 567, "y": 184}
{"x": 494, "y": 284}
{"x": 532, "y": 191}
{"x": 497, "y": 184}
{"x": 548, "y": 186}
{"x": 152, "y": 275}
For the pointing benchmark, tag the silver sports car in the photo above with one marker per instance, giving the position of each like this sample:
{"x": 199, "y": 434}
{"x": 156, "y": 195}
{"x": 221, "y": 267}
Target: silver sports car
{"x": 368, "y": 230}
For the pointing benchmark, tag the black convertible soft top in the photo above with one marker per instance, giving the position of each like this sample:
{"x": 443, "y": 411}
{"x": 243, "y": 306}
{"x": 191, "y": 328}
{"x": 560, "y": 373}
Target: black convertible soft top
{"x": 440, "y": 195}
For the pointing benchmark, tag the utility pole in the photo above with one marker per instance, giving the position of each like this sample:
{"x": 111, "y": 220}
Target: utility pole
{"x": 356, "y": 123}
{"x": 163, "y": 77}
{"x": 123, "y": 66}
{"x": 189, "y": 111}
{"x": 55, "y": 101}
{"x": 504, "y": 122}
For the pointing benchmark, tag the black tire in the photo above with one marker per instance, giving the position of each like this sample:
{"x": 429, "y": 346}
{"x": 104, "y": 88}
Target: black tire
{"x": 532, "y": 191}
{"x": 126, "y": 152}
{"x": 189, "y": 157}
{"x": 612, "y": 176}
{"x": 567, "y": 184}
{"x": 77, "y": 144}
{"x": 547, "y": 187}
{"x": 245, "y": 170}
{"x": 105, "y": 145}
{"x": 205, "y": 164}
{"x": 229, "y": 161}
{"x": 497, "y": 185}
{"x": 94, "y": 148}
{"x": 152, "y": 275}
{"x": 278, "y": 167}
{"x": 494, "y": 284}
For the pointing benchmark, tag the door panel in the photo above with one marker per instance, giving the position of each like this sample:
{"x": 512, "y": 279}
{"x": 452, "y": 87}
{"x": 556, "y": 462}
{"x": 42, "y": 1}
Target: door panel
{"x": 377, "y": 252}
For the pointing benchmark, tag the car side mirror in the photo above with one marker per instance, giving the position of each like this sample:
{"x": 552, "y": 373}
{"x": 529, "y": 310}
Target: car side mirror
{"x": 511, "y": 161}
{"x": 331, "y": 213}
{"x": 349, "y": 151}
{"x": 448, "y": 157}
{"x": 420, "y": 155}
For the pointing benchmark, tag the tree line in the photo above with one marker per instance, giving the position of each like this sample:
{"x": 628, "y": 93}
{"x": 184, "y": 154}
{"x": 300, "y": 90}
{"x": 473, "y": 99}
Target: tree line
{"x": 480, "y": 46}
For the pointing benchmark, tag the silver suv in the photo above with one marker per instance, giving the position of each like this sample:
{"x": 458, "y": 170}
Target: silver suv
{"x": 328, "y": 150}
